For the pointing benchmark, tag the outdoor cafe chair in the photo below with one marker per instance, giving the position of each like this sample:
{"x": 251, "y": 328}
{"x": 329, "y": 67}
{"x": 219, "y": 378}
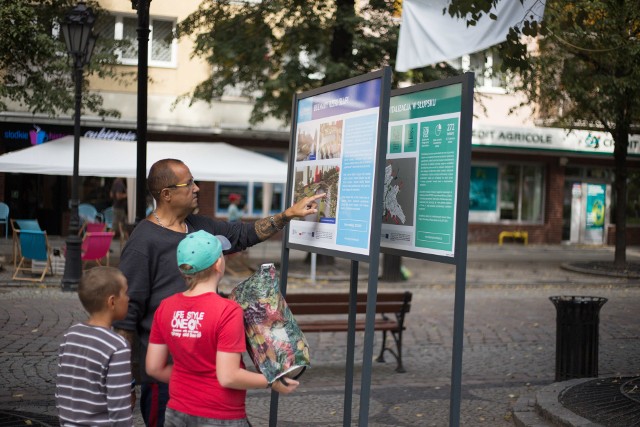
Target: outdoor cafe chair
{"x": 88, "y": 213}
{"x": 4, "y": 218}
{"x": 107, "y": 214}
{"x": 16, "y": 226}
{"x": 96, "y": 246}
{"x": 34, "y": 246}
{"x": 92, "y": 227}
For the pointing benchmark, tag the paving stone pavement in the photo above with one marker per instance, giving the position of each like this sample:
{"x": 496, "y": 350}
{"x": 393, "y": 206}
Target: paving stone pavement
{"x": 509, "y": 340}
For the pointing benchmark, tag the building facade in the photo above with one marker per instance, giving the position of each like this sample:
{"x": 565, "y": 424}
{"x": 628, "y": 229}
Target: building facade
{"x": 554, "y": 184}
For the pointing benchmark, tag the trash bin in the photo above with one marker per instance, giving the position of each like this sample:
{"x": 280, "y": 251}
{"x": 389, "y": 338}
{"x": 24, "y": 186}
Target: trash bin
{"x": 577, "y": 322}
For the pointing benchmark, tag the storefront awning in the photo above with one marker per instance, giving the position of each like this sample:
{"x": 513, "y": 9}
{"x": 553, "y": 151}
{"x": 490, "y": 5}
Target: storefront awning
{"x": 218, "y": 161}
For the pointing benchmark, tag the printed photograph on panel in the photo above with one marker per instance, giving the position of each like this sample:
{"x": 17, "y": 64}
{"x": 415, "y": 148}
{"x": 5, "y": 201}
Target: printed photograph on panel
{"x": 310, "y": 180}
{"x": 306, "y": 147}
{"x": 399, "y": 191}
{"x": 330, "y": 144}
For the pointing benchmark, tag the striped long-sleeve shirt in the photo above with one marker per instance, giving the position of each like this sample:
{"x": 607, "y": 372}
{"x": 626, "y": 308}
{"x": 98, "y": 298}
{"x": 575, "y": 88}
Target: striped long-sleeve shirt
{"x": 93, "y": 385}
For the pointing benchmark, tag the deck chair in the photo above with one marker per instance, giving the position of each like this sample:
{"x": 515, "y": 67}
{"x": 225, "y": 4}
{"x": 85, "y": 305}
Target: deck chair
{"x": 16, "y": 226}
{"x": 95, "y": 247}
{"x": 4, "y": 218}
{"x": 34, "y": 246}
{"x": 92, "y": 227}
{"x": 88, "y": 213}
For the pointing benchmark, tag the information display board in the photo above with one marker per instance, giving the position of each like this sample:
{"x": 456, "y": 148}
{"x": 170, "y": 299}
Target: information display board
{"x": 338, "y": 140}
{"x": 423, "y": 167}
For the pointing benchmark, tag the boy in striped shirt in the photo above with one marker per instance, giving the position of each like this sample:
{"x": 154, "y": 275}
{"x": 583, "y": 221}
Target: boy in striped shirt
{"x": 93, "y": 384}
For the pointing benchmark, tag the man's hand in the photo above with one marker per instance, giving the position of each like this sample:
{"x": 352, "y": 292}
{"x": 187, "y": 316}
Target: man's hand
{"x": 304, "y": 207}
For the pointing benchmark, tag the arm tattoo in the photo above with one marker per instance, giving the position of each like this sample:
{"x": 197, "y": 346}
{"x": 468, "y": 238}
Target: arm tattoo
{"x": 267, "y": 227}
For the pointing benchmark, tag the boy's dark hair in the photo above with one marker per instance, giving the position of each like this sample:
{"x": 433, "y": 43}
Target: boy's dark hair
{"x": 97, "y": 285}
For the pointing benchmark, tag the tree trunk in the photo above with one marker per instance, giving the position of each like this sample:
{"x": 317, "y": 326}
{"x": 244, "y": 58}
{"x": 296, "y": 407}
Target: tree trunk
{"x": 341, "y": 47}
{"x": 391, "y": 268}
{"x": 620, "y": 150}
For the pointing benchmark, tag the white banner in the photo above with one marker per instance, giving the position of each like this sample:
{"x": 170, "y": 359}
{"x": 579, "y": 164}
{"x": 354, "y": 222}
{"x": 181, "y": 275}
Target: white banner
{"x": 428, "y": 37}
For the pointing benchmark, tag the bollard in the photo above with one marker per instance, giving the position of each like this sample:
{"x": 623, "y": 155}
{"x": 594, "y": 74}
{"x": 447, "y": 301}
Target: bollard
{"x": 577, "y": 322}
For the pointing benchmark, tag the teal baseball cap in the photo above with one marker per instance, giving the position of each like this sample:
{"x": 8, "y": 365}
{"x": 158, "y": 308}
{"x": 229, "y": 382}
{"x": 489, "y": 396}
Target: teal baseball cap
{"x": 200, "y": 250}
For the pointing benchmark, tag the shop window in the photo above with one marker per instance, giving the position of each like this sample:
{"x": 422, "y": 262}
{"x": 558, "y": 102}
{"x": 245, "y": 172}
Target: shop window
{"x": 224, "y": 190}
{"x": 250, "y": 198}
{"x": 277, "y": 199}
{"x": 483, "y": 188}
{"x": 521, "y": 193}
{"x": 162, "y": 44}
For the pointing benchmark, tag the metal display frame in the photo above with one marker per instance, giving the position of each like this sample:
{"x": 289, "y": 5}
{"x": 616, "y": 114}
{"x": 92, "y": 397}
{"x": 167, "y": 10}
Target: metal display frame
{"x": 372, "y": 256}
{"x": 461, "y": 225}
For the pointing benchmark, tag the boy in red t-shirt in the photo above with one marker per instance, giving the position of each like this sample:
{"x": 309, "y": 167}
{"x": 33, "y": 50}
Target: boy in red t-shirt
{"x": 204, "y": 333}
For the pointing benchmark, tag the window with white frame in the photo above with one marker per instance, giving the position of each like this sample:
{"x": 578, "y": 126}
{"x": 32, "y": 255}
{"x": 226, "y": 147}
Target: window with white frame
{"x": 250, "y": 198}
{"x": 486, "y": 67}
{"x": 162, "y": 44}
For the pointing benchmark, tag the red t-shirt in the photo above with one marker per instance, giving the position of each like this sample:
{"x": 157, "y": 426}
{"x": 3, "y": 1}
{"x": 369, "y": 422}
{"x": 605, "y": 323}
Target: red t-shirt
{"x": 194, "y": 329}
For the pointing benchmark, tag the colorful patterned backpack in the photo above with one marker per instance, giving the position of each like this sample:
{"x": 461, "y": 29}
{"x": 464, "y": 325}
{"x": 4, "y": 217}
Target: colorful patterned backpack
{"x": 274, "y": 341}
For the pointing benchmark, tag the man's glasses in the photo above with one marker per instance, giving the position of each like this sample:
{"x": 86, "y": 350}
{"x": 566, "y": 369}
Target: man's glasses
{"x": 187, "y": 184}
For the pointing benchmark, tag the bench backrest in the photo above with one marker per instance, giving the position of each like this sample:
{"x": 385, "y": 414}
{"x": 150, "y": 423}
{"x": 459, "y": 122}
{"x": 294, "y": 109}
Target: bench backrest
{"x": 338, "y": 303}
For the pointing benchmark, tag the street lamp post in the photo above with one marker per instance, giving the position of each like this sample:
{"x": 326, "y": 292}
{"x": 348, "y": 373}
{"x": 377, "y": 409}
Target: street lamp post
{"x": 77, "y": 32}
{"x": 142, "y": 6}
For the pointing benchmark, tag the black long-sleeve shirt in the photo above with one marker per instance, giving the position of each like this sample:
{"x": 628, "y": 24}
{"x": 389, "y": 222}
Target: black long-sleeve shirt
{"x": 149, "y": 263}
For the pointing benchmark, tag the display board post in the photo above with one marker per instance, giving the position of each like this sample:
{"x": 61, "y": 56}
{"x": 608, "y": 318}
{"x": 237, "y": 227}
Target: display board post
{"x": 464, "y": 179}
{"x": 338, "y": 140}
{"x": 408, "y": 152}
{"x": 426, "y": 189}
{"x": 351, "y": 343}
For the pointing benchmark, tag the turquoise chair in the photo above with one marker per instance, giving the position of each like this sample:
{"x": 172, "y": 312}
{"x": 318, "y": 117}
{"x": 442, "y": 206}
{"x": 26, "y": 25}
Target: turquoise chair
{"x": 28, "y": 224}
{"x": 16, "y": 226}
{"x": 107, "y": 214}
{"x": 4, "y": 218}
{"x": 34, "y": 246}
{"x": 88, "y": 213}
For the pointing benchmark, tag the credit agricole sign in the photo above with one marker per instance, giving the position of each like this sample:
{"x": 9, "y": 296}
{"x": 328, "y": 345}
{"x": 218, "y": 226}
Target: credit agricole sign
{"x": 550, "y": 139}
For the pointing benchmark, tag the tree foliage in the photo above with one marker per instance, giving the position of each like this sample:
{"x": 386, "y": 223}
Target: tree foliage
{"x": 584, "y": 72}
{"x": 270, "y": 50}
{"x": 34, "y": 69}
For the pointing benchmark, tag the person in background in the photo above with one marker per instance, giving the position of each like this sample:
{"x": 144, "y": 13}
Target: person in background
{"x": 118, "y": 196}
{"x": 235, "y": 214}
{"x": 148, "y": 259}
{"x": 204, "y": 334}
{"x": 93, "y": 381}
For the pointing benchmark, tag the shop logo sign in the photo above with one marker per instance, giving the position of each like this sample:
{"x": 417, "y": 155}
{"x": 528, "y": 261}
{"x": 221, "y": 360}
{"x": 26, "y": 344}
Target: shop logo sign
{"x": 592, "y": 141}
{"x": 37, "y": 136}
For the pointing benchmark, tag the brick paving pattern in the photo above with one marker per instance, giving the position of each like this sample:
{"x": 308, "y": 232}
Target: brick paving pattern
{"x": 509, "y": 341}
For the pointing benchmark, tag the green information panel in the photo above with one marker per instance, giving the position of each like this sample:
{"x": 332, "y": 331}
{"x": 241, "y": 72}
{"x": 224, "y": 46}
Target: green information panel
{"x": 421, "y": 179}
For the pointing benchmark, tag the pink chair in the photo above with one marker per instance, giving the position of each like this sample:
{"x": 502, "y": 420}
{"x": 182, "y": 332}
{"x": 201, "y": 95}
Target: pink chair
{"x": 96, "y": 246}
{"x": 92, "y": 227}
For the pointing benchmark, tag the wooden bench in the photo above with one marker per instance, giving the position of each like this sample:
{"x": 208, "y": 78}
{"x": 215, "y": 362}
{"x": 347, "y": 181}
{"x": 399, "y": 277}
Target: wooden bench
{"x": 524, "y": 235}
{"x": 392, "y": 307}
